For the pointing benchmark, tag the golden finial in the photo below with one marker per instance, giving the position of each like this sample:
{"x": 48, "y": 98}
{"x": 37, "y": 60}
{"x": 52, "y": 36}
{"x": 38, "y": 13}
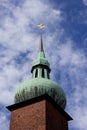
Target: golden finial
{"x": 41, "y": 26}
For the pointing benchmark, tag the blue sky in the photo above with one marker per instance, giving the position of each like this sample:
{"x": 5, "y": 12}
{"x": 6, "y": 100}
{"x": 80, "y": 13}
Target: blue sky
{"x": 65, "y": 45}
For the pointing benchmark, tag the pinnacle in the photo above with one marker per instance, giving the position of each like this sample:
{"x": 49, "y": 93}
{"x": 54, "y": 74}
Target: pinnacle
{"x": 41, "y": 45}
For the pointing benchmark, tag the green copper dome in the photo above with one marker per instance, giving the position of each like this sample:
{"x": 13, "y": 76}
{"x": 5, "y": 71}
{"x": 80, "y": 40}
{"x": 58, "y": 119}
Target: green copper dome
{"x": 40, "y": 83}
{"x": 39, "y": 86}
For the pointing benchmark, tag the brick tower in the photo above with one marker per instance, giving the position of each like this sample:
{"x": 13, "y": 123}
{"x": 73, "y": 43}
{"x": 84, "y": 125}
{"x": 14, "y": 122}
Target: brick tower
{"x": 39, "y": 102}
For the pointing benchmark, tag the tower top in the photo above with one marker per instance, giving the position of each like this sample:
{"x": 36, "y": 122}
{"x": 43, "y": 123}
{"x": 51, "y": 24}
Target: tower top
{"x": 40, "y": 82}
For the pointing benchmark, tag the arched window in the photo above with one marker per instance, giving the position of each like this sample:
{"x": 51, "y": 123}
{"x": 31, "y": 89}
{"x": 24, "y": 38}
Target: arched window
{"x": 36, "y": 73}
{"x": 43, "y": 73}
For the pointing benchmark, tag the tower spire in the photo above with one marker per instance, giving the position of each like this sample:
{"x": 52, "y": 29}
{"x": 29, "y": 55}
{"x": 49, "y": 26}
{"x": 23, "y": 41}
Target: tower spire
{"x": 41, "y": 26}
{"x": 41, "y": 44}
{"x": 41, "y": 67}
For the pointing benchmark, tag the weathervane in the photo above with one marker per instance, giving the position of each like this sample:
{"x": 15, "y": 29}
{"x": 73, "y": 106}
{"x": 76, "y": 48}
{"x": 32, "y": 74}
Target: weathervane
{"x": 41, "y": 26}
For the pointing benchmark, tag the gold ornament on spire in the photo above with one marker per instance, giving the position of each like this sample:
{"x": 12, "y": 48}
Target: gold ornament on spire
{"x": 41, "y": 26}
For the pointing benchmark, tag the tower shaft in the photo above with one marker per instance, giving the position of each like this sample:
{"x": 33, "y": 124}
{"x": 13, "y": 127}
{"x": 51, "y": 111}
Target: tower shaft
{"x": 40, "y": 113}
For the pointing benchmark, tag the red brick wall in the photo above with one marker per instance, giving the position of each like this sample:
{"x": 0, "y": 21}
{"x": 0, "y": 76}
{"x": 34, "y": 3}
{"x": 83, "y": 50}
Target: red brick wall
{"x": 38, "y": 116}
{"x": 55, "y": 121}
{"x": 30, "y": 117}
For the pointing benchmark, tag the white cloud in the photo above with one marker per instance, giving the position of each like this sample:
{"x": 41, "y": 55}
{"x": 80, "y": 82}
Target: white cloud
{"x": 4, "y": 123}
{"x": 85, "y": 2}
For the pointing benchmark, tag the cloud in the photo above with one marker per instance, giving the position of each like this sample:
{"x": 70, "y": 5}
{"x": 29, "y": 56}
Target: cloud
{"x": 74, "y": 81}
{"x": 4, "y": 123}
{"x": 85, "y": 2}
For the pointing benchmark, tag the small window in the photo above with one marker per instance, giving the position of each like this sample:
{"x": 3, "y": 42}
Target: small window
{"x": 36, "y": 73}
{"x": 43, "y": 73}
